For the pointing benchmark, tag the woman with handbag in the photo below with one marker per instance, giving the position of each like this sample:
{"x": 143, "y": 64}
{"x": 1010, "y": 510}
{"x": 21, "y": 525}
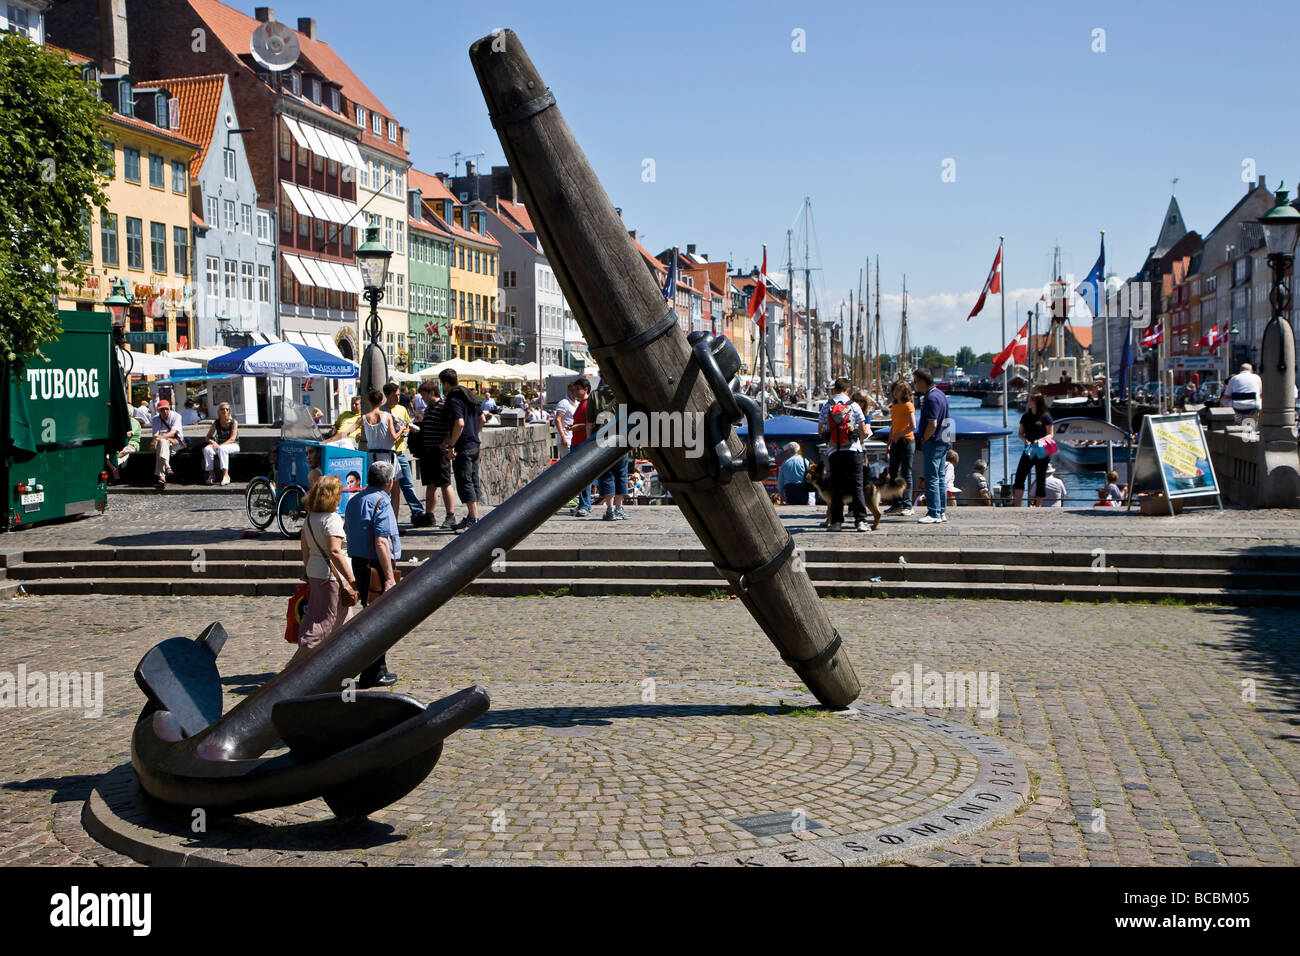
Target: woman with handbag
{"x": 1036, "y": 432}
{"x": 332, "y": 588}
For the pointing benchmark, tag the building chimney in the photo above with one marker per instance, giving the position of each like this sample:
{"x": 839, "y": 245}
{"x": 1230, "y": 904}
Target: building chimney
{"x": 690, "y": 248}
{"x": 307, "y": 27}
{"x": 632, "y": 233}
{"x": 1260, "y": 183}
{"x": 405, "y": 135}
{"x": 469, "y": 168}
{"x": 264, "y": 14}
{"x": 114, "y": 55}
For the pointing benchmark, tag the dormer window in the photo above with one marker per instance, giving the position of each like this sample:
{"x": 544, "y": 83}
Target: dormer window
{"x": 315, "y": 91}
{"x": 295, "y": 83}
{"x": 125, "y": 97}
{"x": 160, "y": 109}
{"x": 361, "y": 116}
{"x": 336, "y": 103}
{"x": 392, "y": 132}
{"x": 377, "y": 124}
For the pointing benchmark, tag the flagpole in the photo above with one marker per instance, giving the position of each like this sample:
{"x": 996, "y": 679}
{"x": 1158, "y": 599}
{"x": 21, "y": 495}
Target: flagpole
{"x": 1002, "y": 285}
{"x": 1110, "y": 448}
{"x": 762, "y": 344}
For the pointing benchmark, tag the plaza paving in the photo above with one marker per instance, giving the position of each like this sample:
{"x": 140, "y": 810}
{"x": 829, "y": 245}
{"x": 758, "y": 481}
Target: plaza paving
{"x": 1131, "y": 719}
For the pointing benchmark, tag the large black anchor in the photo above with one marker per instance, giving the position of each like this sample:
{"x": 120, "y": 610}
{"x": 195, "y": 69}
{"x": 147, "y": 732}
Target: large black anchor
{"x": 359, "y": 750}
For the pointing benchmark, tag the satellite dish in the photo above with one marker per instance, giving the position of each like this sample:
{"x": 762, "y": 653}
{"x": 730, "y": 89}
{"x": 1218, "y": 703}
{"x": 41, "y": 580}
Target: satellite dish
{"x": 275, "y": 46}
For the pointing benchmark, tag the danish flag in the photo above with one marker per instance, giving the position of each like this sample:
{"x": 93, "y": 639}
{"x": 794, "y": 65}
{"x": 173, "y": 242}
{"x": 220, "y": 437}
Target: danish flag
{"x": 1017, "y": 351}
{"x": 1212, "y": 339}
{"x": 1152, "y": 338}
{"x": 992, "y": 284}
{"x": 756, "y": 310}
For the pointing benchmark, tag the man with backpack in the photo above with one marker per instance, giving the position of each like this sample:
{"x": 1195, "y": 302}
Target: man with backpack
{"x": 463, "y": 412}
{"x": 843, "y": 426}
{"x": 435, "y": 465}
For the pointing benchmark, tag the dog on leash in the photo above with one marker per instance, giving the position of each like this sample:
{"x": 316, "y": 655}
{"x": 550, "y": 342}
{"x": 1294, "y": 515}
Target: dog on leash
{"x": 881, "y": 491}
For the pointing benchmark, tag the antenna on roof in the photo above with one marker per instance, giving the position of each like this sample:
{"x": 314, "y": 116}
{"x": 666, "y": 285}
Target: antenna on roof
{"x": 274, "y": 46}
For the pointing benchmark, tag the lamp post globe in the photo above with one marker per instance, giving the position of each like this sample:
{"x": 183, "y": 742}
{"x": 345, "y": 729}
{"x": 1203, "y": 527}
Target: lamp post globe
{"x": 118, "y": 301}
{"x": 372, "y": 262}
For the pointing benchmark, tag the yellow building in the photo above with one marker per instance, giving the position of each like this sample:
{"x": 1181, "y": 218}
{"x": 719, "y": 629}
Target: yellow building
{"x": 477, "y": 330}
{"x": 142, "y": 235}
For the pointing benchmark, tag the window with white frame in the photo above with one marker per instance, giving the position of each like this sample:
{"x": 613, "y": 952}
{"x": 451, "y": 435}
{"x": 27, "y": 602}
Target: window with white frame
{"x": 361, "y": 116}
{"x": 212, "y": 270}
{"x": 392, "y": 132}
{"x": 246, "y": 281}
{"x": 228, "y": 214}
{"x": 246, "y": 218}
{"x": 401, "y": 291}
{"x": 213, "y": 212}
{"x": 376, "y": 124}
{"x": 400, "y": 247}
{"x": 264, "y": 284}
{"x": 263, "y": 226}
{"x": 228, "y": 162}
{"x": 231, "y": 284}
{"x": 178, "y": 177}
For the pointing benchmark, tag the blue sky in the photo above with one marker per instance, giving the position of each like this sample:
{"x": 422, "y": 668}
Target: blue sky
{"x": 1052, "y": 141}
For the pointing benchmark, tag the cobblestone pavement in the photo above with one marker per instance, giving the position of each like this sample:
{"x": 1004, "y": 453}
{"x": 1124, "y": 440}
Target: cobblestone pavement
{"x": 1157, "y": 735}
{"x": 206, "y": 518}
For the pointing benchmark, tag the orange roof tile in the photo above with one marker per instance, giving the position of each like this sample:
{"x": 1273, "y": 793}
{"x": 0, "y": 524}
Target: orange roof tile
{"x": 432, "y": 188}
{"x": 200, "y": 98}
{"x": 517, "y": 212}
{"x": 234, "y": 30}
{"x": 132, "y": 122}
{"x": 72, "y": 57}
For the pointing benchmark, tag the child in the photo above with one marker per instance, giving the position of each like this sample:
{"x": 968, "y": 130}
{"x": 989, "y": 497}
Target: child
{"x": 1104, "y": 499}
{"x": 950, "y": 476}
{"x": 1112, "y": 486}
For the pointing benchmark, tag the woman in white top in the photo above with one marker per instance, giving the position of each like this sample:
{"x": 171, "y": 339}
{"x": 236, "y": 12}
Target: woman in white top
{"x": 380, "y": 429}
{"x": 329, "y": 572}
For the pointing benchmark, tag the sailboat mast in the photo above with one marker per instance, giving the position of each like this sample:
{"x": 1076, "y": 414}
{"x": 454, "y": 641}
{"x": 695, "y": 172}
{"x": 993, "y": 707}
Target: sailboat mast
{"x": 807, "y": 299}
{"x": 877, "y": 336}
{"x": 862, "y": 307}
{"x": 789, "y": 294}
{"x": 902, "y": 331}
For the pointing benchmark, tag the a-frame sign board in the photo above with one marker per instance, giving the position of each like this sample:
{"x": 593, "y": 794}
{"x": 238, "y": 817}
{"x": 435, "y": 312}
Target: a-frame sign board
{"x": 1173, "y": 457}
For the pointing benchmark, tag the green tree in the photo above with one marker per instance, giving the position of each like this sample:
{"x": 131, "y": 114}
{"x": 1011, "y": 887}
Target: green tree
{"x": 986, "y": 357}
{"x": 51, "y": 174}
{"x": 965, "y": 356}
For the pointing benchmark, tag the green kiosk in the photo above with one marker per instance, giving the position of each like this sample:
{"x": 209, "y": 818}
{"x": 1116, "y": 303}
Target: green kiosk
{"x": 62, "y": 410}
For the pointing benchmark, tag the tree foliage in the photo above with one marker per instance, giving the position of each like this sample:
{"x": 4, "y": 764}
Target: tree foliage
{"x": 965, "y": 356}
{"x": 51, "y": 174}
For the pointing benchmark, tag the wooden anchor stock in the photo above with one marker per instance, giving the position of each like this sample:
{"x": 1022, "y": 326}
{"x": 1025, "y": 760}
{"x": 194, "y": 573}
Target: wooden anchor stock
{"x": 644, "y": 356}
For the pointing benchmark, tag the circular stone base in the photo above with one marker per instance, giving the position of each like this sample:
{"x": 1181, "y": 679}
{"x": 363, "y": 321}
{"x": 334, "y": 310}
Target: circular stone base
{"x": 684, "y": 780}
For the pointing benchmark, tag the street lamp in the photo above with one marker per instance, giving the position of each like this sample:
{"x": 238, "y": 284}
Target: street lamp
{"x": 1281, "y": 227}
{"x": 372, "y": 261}
{"x": 118, "y": 301}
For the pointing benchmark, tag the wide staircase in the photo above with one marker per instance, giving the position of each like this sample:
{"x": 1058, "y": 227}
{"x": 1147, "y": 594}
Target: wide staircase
{"x": 1258, "y": 578}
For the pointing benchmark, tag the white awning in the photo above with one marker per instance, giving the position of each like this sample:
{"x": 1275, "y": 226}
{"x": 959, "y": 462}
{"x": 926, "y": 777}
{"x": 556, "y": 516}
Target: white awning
{"x": 327, "y": 345}
{"x": 309, "y": 202}
{"x": 293, "y": 336}
{"x": 323, "y": 143}
{"x": 296, "y": 267}
{"x": 296, "y": 131}
{"x": 319, "y": 276}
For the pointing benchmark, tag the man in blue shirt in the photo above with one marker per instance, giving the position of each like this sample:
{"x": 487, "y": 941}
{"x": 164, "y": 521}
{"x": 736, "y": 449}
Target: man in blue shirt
{"x": 371, "y": 527}
{"x": 934, "y": 429}
{"x": 790, "y": 484}
{"x": 843, "y": 425}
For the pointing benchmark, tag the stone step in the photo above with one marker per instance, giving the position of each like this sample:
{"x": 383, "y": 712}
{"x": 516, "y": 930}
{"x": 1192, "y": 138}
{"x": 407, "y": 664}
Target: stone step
{"x": 1280, "y": 561}
{"x": 561, "y": 573}
{"x": 650, "y": 587}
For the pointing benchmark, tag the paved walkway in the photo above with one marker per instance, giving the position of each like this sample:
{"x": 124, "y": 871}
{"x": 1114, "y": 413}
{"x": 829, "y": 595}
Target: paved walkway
{"x": 1162, "y": 735}
{"x": 175, "y": 517}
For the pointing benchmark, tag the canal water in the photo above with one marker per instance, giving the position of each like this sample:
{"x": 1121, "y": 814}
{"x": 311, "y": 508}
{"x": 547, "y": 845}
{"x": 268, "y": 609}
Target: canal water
{"x": 1080, "y": 487}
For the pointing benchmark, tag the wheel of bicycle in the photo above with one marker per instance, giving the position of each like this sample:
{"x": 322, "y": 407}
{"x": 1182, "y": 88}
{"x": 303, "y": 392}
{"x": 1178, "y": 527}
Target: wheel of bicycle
{"x": 259, "y": 499}
{"x": 291, "y": 511}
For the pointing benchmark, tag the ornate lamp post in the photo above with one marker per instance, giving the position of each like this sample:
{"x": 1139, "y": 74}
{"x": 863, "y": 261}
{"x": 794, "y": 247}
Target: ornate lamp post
{"x": 118, "y": 301}
{"x": 372, "y": 261}
{"x": 1279, "y": 469}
